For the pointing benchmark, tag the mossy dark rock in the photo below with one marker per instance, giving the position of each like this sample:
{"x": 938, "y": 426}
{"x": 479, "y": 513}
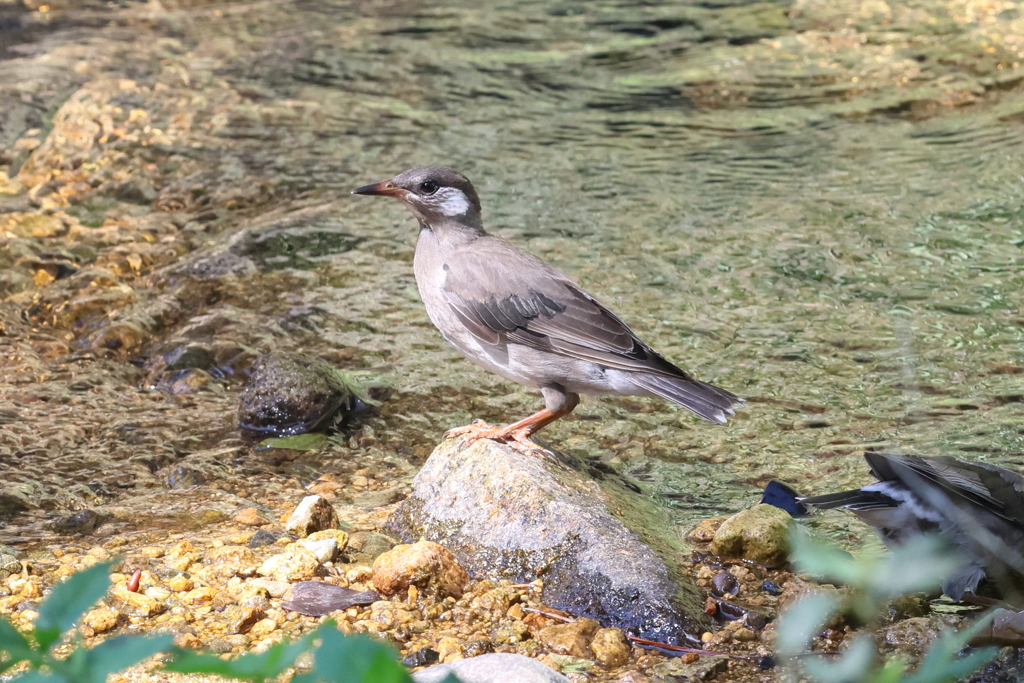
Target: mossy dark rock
{"x": 291, "y": 394}
{"x": 603, "y": 550}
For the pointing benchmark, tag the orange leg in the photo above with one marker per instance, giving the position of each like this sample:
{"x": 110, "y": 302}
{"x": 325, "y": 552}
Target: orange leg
{"x": 517, "y": 435}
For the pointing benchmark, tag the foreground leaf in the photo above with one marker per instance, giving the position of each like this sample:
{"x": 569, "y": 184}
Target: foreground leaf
{"x": 41, "y": 677}
{"x": 116, "y": 654}
{"x": 941, "y": 662}
{"x": 823, "y": 561}
{"x": 920, "y": 564}
{"x": 804, "y": 620}
{"x": 70, "y": 600}
{"x": 355, "y": 659}
{"x": 14, "y": 645}
{"x": 852, "y": 666}
{"x": 248, "y": 667}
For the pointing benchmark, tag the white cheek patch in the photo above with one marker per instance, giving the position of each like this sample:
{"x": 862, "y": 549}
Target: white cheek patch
{"x": 453, "y": 202}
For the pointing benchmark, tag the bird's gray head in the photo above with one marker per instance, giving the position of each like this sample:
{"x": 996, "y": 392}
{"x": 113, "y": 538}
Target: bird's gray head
{"x": 434, "y": 195}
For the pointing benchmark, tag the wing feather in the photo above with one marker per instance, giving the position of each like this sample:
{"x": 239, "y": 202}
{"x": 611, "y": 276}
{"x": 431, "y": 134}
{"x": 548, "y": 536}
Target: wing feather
{"x": 503, "y": 294}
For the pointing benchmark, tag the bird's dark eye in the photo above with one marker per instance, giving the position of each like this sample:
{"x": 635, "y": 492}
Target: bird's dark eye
{"x": 428, "y": 187}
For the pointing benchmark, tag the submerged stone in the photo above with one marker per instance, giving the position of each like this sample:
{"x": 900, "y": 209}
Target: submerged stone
{"x": 292, "y": 394}
{"x": 599, "y": 546}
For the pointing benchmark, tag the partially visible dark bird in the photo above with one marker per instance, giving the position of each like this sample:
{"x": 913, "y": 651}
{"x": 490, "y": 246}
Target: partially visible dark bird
{"x": 524, "y": 320}
{"x": 975, "y": 507}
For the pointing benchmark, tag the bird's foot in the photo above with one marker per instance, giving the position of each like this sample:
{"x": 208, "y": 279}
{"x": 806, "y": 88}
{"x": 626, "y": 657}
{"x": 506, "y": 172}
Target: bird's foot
{"x": 516, "y": 439}
{"x": 477, "y": 430}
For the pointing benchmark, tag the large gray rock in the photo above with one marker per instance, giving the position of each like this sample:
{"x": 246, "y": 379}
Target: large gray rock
{"x": 603, "y": 549}
{"x": 497, "y": 667}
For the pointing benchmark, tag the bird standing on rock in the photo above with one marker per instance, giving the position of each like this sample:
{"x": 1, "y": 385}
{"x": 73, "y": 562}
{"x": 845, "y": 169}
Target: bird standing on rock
{"x": 521, "y": 318}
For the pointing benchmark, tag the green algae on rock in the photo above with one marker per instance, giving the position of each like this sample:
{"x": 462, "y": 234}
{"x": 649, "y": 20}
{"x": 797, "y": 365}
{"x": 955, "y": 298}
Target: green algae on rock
{"x": 759, "y": 534}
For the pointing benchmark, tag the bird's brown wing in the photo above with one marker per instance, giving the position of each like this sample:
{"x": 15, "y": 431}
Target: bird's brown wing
{"x": 503, "y": 294}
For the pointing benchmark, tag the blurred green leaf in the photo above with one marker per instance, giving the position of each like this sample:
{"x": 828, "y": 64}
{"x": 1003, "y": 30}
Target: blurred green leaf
{"x": 70, "y": 600}
{"x": 918, "y": 565}
{"x": 855, "y": 664}
{"x": 15, "y": 645}
{"x": 356, "y": 659}
{"x": 248, "y": 667}
{"x": 892, "y": 671}
{"x": 41, "y": 677}
{"x": 804, "y": 620}
{"x": 300, "y": 442}
{"x": 823, "y": 561}
{"x": 941, "y": 662}
{"x": 94, "y": 665}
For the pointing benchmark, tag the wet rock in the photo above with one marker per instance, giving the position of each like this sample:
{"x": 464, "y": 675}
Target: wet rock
{"x": 500, "y": 667}
{"x": 192, "y": 381}
{"x": 263, "y": 628}
{"x": 475, "y": 648}
{"x": 1006, "y": 629}
{"x": 610, "y": 647}
{"x": 339, "y": 537}
{"x": 241, "y": 619}
{"x": 294, "y": 394}
{"x": 265, "y": 537}
{"x": 313, "y": 514}
{"x": 368, "y": 545}
{"x": 705, "y": 531}
{"x": 81, "y": 522}
{"x": 515, "y": 632}
{"x": 704, "y": 669}
{"x": 9, "y": 565}
{"x": 198, "y": 596}
{"x": 759, "y": 534}
{"x": 1007, "y": 667}
{"x": 316, "y": 598}
{"x": 633, "y": 677}
{"x": 180, "y": 583}
{"x": 294, "y": 564}
{"x": 423, "y": 657}
{"x": 571, "y": 639}
{"x": 276, "y": 589}
{"x": 907, "y": 606}
{"x": 426, "y": 565}
{"x": 101, "y": 620}
{"x": 724, "y": 583}
{"x": 325, "y": 549}
{"x": 230, "y": 560}
{"x": 189, "y": 356}
{"x": 519, "y": 518}
{"x": 135, "y": 604}
{"x": 795, "y": 589}
{"x": 251, "y": 517}
{"x": 914, "y": 636}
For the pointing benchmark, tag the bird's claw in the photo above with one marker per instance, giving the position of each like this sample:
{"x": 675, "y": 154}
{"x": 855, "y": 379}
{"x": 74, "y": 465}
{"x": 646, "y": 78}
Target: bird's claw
{"x": 516, "y": 439}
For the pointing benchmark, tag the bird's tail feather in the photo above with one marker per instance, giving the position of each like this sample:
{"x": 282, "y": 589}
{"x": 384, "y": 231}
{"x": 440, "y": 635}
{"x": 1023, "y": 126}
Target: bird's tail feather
{"x": 830, "y": 501}
{"x": 708, "y": 401}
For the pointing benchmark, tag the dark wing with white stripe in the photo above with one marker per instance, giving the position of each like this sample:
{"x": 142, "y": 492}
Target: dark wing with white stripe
{"x": 990, "y": 487}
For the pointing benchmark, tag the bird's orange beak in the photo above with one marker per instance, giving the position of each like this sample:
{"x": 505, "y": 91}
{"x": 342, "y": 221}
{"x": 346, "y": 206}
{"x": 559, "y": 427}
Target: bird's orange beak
{"x": 385, "y": 188}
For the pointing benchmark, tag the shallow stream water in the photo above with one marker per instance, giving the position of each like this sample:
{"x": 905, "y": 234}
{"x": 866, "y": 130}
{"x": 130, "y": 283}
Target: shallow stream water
{"x": 816, "y": 205}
